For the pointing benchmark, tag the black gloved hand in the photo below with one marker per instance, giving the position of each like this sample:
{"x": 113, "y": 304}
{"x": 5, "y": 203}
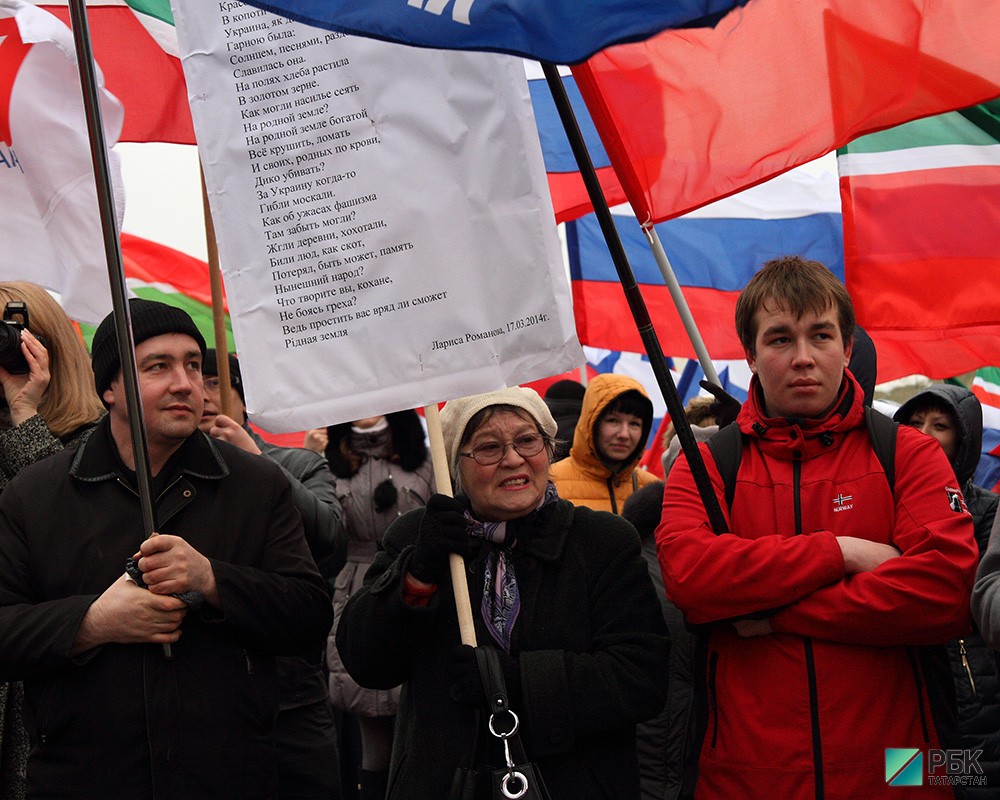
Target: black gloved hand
{"x": 726, "y": 407}
{"x": 466, "y": 683}
{"x": 443, "y": 530}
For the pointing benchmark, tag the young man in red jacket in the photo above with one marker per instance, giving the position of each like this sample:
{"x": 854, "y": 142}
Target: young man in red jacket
{"x": 819, "y": 600}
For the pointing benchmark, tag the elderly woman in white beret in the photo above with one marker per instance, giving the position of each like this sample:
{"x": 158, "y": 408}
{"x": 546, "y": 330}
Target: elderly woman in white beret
{"x": 561, "y": 593}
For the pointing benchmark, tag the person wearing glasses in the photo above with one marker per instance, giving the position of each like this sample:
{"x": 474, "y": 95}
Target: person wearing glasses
{"x": 562, "y": 593}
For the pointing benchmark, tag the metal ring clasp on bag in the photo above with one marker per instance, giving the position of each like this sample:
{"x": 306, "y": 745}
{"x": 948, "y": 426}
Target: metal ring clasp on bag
{"x": 516, "y": 793}
{"x": 511, "y": 732}
{"x": 512, "y": 773}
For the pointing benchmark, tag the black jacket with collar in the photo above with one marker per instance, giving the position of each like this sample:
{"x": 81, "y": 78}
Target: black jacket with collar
{"x": 120, "y": 720}
{"x": 589, "y": 640}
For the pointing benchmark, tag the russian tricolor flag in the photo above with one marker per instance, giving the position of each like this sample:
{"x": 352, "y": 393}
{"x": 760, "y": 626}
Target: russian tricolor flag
{"x": 569, "y": 196}
{"x": 713, "y": 251}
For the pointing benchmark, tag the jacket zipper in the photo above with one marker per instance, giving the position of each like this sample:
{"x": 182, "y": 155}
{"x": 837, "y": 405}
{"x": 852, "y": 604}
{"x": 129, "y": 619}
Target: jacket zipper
{"x": 965, "y": 664}
{"x": 817, "y": 741}
{"x": 814, "y": 716}
{"x": 611, "y": 494}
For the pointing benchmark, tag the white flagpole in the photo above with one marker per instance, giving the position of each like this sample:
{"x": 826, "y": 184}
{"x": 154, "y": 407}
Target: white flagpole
{"x": 680, "y": 302}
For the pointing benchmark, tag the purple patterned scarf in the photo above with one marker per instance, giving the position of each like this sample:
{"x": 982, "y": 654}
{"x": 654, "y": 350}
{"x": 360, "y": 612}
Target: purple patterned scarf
{"x": 501, "y": 599}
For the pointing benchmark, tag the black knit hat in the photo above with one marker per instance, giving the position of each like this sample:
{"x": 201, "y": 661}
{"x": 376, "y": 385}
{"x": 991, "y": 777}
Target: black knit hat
{"x": 210, "y": 367}
{"x": 149, "y": 318}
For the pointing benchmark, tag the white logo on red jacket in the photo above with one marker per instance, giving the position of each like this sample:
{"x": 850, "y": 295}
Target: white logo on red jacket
{"x": 955, "y": 500}
{"x": 842, "y": 502}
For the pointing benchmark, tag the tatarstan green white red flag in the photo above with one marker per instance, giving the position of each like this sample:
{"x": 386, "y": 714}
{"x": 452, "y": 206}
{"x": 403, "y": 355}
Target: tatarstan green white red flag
{"x": 136, "y": 45}
{"x": 157, "y": 272}
{"x": 986, "y": 386}
{"x": 50, "y": 229}
{"x": 921, "y": 210}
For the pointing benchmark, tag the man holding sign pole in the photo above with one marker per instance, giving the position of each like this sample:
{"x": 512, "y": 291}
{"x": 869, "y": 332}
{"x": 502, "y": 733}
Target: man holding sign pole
{"x": 109, "y": 714}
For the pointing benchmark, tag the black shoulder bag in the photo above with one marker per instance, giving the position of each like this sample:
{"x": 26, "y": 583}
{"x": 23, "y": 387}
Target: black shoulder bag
{"x": 517, "y": 778}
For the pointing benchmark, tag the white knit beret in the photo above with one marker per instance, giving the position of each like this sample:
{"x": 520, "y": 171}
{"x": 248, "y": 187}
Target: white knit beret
{"x": 456, "y": 414}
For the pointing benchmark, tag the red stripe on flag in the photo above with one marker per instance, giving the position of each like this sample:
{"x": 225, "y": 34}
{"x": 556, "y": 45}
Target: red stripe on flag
{"x": 12, "y": 53}
{"x": 569, "y": 195}
{"x": 152, "y": 262}
{"x": 925, "y": 216}
{"x": 950, "y": 293}
{"x": 938, "y": 354}
{"x": 148, "y": 82}
{"x": 985, "y": 397}
{"x": 603, "y": 319}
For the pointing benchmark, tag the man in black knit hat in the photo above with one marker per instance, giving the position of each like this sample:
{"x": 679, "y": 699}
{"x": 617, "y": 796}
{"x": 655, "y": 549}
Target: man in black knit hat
{"x": 109, "y": 714}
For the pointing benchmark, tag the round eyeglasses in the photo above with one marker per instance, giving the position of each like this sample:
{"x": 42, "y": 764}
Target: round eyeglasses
{"x": 489, "y": 453}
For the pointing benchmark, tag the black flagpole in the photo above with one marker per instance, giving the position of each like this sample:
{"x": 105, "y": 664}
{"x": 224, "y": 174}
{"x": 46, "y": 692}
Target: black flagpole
{"x": 635, "y": 301}
{"x": 116, "y": 270}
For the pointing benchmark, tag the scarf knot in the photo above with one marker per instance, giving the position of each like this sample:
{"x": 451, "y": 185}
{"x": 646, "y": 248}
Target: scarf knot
{"x": 501, "y": 598}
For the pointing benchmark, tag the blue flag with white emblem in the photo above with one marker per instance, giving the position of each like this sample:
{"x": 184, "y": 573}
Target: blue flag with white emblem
{"x": 560, "y": 31}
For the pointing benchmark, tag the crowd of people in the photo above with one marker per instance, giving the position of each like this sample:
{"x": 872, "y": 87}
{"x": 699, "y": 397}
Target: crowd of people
{"x": 298, "y": 625}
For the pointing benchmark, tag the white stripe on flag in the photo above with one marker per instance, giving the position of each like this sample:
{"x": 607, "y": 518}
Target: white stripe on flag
{"x": 797, "y": 193}
{"x": 919, "y": 158}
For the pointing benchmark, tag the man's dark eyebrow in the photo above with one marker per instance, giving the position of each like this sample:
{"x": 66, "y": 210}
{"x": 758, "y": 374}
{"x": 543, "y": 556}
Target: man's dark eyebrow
{"x": 822, "y": 326}
{"x": 816, "y": 326}
{"x": 773, "y": 329}
{"x": 167, "y": 357}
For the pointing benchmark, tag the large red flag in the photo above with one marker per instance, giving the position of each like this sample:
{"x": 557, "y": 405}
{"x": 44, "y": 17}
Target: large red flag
{"x": 921, "y": 210}
{"x": 694, "y": 115}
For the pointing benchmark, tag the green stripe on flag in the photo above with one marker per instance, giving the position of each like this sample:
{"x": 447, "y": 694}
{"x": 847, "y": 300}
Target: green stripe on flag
{"x": 978, "y": 125}
{"x": 159, "y": 9}
{"x": 989, "y": 379}
{"x": 155, "y": 16}
{"x": 958, "y": 139}
{"x": 200, "y": 313}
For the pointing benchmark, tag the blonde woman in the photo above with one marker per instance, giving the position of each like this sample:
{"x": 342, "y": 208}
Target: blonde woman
{"x": 54, "y": 403}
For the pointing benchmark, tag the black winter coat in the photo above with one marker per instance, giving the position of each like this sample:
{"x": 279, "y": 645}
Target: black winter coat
{"x": 121, "y": 721}
{"x": 973, "y": 666}
{"x": 590, "y": 644}
{"x": 975, "y": 670}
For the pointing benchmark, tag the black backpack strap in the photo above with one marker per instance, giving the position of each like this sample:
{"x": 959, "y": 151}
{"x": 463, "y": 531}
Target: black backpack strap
{"x": 882, "y": 432}
{"x": 726, "y": 447}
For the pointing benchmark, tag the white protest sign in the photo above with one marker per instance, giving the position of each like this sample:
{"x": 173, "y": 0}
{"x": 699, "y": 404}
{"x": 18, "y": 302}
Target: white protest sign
{"x": 383, "y": 220}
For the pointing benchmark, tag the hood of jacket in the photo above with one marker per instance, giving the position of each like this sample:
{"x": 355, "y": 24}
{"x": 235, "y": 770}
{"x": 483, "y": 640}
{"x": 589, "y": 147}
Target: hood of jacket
{"x": 601, "y": 390}
{"x": 793, "y": 438}
{"x": 965, "y": 407}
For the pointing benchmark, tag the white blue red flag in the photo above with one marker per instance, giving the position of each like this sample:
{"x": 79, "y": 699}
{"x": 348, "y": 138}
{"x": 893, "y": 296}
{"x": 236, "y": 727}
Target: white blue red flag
{"x": 714, "y": 251}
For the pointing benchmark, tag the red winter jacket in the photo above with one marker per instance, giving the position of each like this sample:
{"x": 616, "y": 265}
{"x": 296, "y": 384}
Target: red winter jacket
{"x": 808, "y": 711}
